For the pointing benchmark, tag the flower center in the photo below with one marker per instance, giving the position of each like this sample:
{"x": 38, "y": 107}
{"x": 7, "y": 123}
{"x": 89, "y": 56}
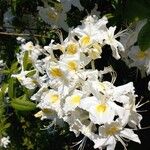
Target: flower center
{"x": 101, "y": 108}
{"x": 112, "y": 130}
{"x": 54, "y": 98}
{"x": 85, "y": 40}
{"x": 75, "y": 99}
{"x": 71, "y": 49}
{"x": 72, "y": 65}
{"x": 52, "y": 15}
{"x": 56, "y": 72}
{"x": 141, "y": 55}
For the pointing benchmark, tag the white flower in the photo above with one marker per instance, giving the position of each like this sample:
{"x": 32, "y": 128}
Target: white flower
{"x": 33, "y": 51}
{"x": 4, "y": 142}
{"x": 129, "y": 38}
{"x": 95, "y": 11}
{"x": 91, "y": 30}
{"x": 133, "y": 55}
{"x": 71, "y": 88}
{"x": 140, "y": 59}
{"x": 25, "y": 81}
{"x": 149, "y": 85}
{"x": 73, "y": 101}
{"x": 110, "y": 39}
{"x": 101, "y": 111}
{"x": 51, "y": 100}
{"x": 46, "y": 113}
{"x": 54, "y": 17}
{"x": 39, "y": 93}
{"x": 75, "y": 119}
{"x": 112, "y": 132}
{"x": 67, "y": 4}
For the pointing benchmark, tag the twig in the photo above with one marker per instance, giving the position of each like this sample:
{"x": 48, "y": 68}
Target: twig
{"x": 23, "y": 34}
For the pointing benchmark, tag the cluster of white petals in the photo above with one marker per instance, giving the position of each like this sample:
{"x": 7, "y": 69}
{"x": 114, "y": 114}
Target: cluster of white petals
{"x": 134, "y": 56}
{"x": 71, "y": 88}
{"x": 56, "y": 15}
{"x": 4, "y": 142}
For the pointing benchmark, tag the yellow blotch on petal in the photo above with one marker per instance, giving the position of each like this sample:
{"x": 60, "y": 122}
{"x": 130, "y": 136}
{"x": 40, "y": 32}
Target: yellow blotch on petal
{"x": 71, "y": 49}
{"x": 141, "y": 55}
{"x": 41, "y": 113}
{"x": 85, "y": 40}
{"x": 52, "y": 16}
{"x": 75, "y": 99}
{"x": 56, "y": 72}
{"x": 101, "y": 108}
{"x": 72, "y": 65}
{"x": 54, "y": 98}
{"x": 112, "y": 130}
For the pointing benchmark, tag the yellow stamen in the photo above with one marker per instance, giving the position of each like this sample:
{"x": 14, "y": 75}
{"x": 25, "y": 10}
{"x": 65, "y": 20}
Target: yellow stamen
{"x": 71, "y": 49}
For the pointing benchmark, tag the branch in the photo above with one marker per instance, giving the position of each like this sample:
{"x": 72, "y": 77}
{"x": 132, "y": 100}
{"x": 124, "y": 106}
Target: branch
{"x": 23, "y": 34}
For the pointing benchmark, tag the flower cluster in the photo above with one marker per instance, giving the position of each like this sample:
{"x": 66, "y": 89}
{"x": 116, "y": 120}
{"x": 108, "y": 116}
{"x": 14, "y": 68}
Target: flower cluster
{"x": 134, "y": 56}
{"x": 56, "y": 16}
{"x": 4, "y": 142}
{"x": 71, "y": 88}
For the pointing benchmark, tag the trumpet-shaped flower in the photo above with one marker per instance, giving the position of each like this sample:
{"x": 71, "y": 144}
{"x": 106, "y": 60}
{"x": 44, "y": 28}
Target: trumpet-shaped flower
{"x": 91, "y": 30}
{"x": 110, "y": 39}
{"x": 73, "y": 101}
{"x": 28, "y": 82}
{"x": 140, "y": 59}
{"x": 112, "y": 132}
{"x": 54, "y": 17}
{"x": 67, "y": 4}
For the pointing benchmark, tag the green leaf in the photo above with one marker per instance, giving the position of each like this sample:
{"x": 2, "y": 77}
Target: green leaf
{"x": 144, "y": 37}
{"x": 23, "y": 104}
{"x": 26, "y": 61}
{"x": 14, "y": 67}
{"x": 31, "y": 73}
{"x": 6, "y": 72}
{"x": 137, "y": 9}
{"x": 4, "y": 86}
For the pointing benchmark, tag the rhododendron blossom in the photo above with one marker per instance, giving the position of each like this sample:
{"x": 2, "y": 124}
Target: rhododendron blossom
{"x": 70, "y": 87}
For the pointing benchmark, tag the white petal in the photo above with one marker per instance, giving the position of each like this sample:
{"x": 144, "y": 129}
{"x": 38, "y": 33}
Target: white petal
{"x": 129, "y": 134}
